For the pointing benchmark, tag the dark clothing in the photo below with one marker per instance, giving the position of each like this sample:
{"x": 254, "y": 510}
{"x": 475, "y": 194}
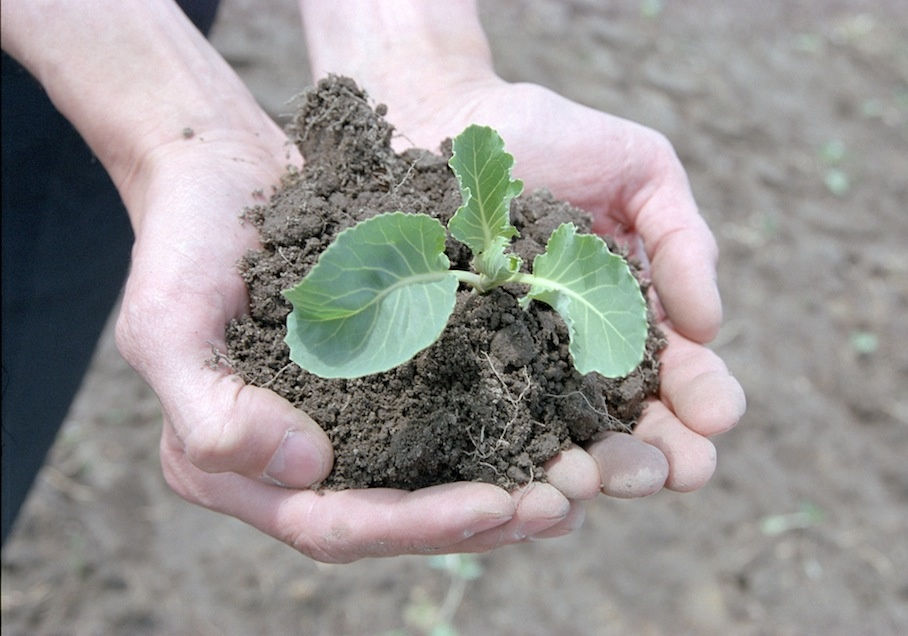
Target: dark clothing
{"x": 65, "y": 251}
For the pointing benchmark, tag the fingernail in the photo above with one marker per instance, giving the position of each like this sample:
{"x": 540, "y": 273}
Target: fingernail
{"x": 297, "y": 463}
{"x": 487, "y": 521}
{"x": 629, "y": 467}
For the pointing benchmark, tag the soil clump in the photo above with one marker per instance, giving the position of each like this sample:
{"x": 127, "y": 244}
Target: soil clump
{"x": 495, "y": 397}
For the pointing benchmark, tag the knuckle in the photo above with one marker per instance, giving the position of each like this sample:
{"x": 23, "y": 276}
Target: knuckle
{"x": 210, "y": 445}
{"x": 174, "y": 480}
{"x": 332, "y": 548}
{"x": 174, "y": 473}
{"x": 662, "y": 149}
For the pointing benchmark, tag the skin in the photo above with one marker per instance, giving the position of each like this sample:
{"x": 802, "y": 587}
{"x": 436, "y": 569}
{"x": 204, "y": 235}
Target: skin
{"x": 244, "y": 451}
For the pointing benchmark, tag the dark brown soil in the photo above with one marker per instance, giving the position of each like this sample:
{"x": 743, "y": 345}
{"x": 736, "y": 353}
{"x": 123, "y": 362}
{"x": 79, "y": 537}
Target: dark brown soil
{"x": 495, "y": 397}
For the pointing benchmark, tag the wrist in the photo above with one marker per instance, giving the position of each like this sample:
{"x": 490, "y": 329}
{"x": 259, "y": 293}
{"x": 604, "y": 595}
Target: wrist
{"x": 234, "y": 167}
{"x": 407, "y": 54}
{"x": 130, "y": 76}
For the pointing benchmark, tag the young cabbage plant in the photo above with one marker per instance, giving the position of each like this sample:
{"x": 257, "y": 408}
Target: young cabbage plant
{"x": 383, "y": 290}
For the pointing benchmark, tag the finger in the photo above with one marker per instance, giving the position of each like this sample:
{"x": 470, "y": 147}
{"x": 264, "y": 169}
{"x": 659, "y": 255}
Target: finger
{"x": 681, "y": 249}
{"x": 539, "y": 507}
{"x": 224, "y": 424}
{"x": 574, "y": 473}
{"x": 343, "y": 526}
{"x": 573, "y": 521}
{"x": 691, "y": 457}
{"x": 233, "y": 427}
{"x": 628, "y": 466}
{"x": 697, "y": 386}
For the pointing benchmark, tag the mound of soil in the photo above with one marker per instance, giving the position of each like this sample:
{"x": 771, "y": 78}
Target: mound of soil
{"x": 495, "y": 397}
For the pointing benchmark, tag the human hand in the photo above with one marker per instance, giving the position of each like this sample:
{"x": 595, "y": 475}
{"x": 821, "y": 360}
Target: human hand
{"x": 430, "y": 63}
{"x": 630, "y": 179}
{"x": 226, "y": 445}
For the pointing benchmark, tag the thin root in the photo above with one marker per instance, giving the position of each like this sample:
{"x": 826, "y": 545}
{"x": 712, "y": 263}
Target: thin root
{"x": 217, "y": 358}
{"x": 275, "y": 376}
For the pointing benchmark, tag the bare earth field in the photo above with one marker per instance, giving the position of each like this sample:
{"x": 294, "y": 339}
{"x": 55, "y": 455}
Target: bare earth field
{"x": 793, "y": 125}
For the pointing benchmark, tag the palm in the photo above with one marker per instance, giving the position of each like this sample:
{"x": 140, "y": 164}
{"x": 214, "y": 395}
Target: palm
{"x": 629, "y": 178}
{"x": 220, "y": 435}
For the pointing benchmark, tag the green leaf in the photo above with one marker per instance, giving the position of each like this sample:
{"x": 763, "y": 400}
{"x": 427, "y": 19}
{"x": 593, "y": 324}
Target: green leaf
{"x": 378, "y": 295}
{"x": 483, "y": 171}
{"x": 598, "y": 297}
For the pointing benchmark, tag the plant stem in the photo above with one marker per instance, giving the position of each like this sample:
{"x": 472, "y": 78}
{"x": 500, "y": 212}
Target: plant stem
{"x": 470, "y": 278}
{"x": 483, "y": 284}
{"x": 522, "y": 277}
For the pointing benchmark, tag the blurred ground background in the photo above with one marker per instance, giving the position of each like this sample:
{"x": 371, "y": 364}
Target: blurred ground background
{"x": 793, "y": 124}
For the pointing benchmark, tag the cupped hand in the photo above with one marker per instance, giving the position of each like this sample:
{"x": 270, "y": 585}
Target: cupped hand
{"x": 630, "y": 179}
{"x": 240, "y": 449}
{"x": 244, "y": 451}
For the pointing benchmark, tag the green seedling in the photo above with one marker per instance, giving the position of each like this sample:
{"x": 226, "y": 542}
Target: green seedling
{"x": 383, "y": 290}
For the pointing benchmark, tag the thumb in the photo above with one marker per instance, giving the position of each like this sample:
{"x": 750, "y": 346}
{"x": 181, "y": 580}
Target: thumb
{"x": 218, "y": 423}
{"x": 228, "y": 426}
